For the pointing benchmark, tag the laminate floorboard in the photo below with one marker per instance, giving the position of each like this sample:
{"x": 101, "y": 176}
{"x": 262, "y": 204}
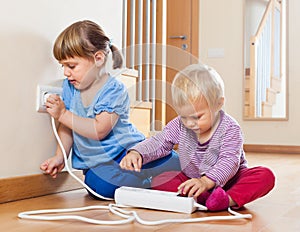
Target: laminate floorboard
{"x": 278, "y": 211}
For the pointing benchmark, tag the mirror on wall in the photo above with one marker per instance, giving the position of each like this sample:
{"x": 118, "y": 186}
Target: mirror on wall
{"x": 265, "y": 60}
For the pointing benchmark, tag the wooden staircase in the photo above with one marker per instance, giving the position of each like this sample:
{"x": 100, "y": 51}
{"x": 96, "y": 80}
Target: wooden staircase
{"x": 270, "y": 99}
{"x": 140, "y": 111}
{"x": 263, "y": 77}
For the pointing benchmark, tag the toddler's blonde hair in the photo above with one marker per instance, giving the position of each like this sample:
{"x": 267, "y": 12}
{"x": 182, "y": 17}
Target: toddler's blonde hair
{"x": 194, "y": 82}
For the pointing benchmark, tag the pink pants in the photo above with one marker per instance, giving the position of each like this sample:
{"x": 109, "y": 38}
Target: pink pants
{"x": 247, "y": 185}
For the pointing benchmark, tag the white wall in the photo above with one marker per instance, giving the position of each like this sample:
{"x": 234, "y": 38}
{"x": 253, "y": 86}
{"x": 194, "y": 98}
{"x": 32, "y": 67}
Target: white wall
{"x": 221, "y": 26}
{"x": 27, "y": 32}
{"x": 29, "y": 28}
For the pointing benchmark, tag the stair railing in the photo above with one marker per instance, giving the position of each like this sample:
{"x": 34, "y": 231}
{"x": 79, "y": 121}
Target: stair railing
{"x": 142, "y": 49}
{"x": 265, "y": 57}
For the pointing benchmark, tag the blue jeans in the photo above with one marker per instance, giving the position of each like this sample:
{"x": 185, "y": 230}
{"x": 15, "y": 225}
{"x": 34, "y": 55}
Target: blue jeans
{"x": 107, "y": 177}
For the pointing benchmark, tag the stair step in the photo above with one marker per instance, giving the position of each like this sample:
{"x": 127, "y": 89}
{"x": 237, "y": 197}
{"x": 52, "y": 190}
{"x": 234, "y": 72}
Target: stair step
{"x": 140, "y": 112}
{"x": 129, "y": 78}
{"x": 267, "y": 110}
{"x": 141, "y": 105}
{"x": 276, "y": 84}
{"x": 131, "y": 72}
{"x": 140, "y": 116}
{"x": 271, "y": 96}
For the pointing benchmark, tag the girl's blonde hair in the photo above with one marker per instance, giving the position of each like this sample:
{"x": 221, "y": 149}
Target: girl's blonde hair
{"x": 194, "y": 82}
{"x": 84, "y": 39}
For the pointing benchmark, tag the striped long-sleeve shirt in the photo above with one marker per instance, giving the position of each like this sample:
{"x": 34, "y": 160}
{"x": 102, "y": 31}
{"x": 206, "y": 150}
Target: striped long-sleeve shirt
{"x": 219, "y": 159}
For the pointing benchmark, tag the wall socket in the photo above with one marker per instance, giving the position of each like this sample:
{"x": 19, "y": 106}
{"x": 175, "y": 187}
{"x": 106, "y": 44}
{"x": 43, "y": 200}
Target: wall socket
{"x": 42, "y": 92}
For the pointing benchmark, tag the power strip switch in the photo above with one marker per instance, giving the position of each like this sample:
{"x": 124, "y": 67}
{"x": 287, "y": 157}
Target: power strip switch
{"x": 154, "y": 199}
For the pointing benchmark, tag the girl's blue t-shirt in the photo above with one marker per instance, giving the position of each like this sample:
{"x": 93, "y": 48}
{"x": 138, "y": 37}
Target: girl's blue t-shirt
{"x": 112, "y": 97}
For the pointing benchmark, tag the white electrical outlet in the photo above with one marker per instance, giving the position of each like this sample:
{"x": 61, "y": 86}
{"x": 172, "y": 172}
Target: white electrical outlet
{"x": 43, "y": 91}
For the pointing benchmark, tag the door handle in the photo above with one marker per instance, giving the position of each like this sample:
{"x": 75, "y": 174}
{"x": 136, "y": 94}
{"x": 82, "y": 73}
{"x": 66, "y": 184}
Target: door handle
{"x": 178, "y": 37}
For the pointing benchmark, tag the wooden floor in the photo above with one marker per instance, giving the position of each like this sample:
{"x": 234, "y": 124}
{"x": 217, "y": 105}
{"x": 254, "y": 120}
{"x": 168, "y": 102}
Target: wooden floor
{"x": 279, "y": 211}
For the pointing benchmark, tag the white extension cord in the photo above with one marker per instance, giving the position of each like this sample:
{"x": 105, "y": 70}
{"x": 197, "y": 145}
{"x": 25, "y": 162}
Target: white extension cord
{"x": 155, "y": 199}
{"x": 117, "y": 209}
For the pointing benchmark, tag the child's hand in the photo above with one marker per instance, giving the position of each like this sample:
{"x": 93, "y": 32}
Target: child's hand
{"x": 195, "y": 186}
{"x": 53, "y": 166}
{"x": 132, "y": 161}
{"x": 55, "y": 106}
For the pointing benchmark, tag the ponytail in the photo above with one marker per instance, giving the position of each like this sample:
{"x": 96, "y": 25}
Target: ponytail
{"x": 116, "y": 56}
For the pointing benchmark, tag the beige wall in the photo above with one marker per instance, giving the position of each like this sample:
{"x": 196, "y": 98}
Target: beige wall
{"x": 27, "y": 32}
{"x": 221, "y": 26}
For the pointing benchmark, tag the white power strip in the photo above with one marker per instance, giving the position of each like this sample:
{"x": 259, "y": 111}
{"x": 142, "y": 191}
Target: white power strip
{"x": 154, "y": 199}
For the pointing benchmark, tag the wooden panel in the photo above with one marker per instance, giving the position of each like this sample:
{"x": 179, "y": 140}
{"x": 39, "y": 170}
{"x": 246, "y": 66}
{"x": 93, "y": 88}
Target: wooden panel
{"x": 17, "y": 188}
{"x": 182, "y": 19}
{"x": 280, "y": 149}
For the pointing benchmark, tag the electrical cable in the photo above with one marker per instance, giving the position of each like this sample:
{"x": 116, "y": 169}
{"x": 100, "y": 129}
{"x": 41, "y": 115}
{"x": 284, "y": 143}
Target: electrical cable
{"x": 35, "y": 215}
{"x": 127, "y": 215}
{"x": 67, "y": 166}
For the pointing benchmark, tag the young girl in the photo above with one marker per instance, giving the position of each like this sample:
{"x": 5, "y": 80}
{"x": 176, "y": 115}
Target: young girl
{"x": 93, "y": 114}
{"x": 210, "y": 146}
